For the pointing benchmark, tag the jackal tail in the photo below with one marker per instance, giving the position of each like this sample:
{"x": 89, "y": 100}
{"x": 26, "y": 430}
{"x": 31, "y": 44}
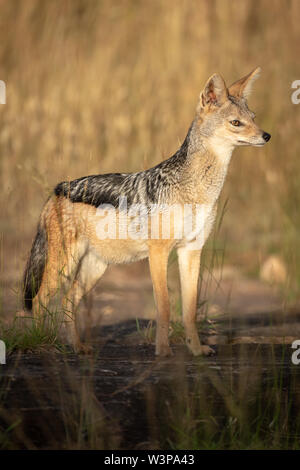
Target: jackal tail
{"x": 35, "y": 266}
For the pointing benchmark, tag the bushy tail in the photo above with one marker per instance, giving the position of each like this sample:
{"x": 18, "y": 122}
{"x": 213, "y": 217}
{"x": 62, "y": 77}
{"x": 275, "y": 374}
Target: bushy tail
{"x": 35, "y": 266}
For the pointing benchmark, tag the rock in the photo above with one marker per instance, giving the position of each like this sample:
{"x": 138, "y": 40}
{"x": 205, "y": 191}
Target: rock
{"x": 273, "y": 270}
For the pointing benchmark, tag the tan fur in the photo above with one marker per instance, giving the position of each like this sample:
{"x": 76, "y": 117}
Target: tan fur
{"x": 72, "y": 242}
{"x": 77, "y": 257}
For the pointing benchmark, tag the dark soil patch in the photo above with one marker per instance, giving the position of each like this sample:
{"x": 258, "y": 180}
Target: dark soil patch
{"x": 55, "y": 399}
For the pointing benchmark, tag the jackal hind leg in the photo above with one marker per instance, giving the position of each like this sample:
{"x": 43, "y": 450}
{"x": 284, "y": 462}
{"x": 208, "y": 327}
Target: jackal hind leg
{"x": 59, "y": 270}
{"x": 189, "y": 268}
{"x": 89, "y": 270}
{"x": 56, "y": 276}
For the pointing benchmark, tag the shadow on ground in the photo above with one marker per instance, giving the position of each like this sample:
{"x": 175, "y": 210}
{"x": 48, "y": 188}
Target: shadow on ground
{"x": 246, "y": 396}
{"x": 123, "y": 397}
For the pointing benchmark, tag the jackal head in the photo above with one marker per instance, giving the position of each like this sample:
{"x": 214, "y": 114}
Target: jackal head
{"x": 223, "y": 116}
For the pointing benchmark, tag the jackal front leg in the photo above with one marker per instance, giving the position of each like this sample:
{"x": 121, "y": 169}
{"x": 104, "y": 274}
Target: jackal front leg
{"x": 189, "y": 268}
{"x": 158, "y": 260}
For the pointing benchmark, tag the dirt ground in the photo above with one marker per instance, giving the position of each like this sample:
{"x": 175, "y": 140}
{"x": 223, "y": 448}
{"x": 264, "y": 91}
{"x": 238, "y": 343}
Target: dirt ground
{"x": 46, "y": 395}
{"x": 133, "y": 394}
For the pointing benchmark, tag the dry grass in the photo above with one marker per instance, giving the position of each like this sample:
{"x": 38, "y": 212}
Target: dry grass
{"x": 101, "y": 85}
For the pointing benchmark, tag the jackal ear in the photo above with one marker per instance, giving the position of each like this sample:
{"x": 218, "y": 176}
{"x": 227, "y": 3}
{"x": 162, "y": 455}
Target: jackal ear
{"x": 242, "y": 88}
{"x": 214, "y": 93}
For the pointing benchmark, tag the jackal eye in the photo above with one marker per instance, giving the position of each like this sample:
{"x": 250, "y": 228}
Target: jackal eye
{"x": 236, "y": 123}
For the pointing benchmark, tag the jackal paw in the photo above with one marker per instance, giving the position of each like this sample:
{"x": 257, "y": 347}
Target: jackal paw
{"x": 203, "y": 350}
{"x": 83, "y": 348}
{"x": 163, "y": 350}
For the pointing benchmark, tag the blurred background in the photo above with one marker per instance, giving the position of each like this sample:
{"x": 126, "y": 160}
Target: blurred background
{"x": 98, "y": 86}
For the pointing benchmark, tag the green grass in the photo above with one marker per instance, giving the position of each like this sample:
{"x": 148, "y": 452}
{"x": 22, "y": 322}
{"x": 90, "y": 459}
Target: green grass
{"x": 250, "y": 409}
{"x": 148, "y": 333}
{"x": 29, "y": 334}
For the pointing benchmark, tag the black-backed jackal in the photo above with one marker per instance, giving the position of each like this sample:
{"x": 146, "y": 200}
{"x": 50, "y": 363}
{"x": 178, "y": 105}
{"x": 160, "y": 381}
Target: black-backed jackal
{"x": 70, "y": 249}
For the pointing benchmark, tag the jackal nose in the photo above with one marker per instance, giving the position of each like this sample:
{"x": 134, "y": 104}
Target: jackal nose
{"x": 266, "y": 136}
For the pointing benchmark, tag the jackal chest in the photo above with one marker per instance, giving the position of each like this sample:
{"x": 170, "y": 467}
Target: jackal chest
{"x": 198, "y": 224}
